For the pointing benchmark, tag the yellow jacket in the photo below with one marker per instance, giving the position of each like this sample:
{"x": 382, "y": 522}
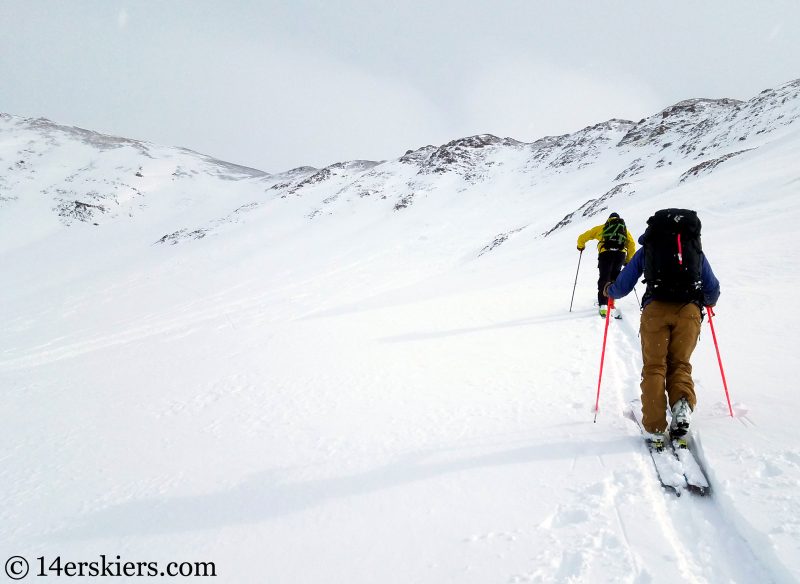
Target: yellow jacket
{"x": 597, "y": 233}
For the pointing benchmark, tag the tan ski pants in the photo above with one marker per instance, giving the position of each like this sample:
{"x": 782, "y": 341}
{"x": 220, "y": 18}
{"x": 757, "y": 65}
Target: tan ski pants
{"x": 669, "y": 332}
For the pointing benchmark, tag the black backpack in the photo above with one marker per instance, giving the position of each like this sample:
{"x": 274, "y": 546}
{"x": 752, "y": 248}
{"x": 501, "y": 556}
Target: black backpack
{"x": 673, "y": 256}
{"x": 615, "y": 235}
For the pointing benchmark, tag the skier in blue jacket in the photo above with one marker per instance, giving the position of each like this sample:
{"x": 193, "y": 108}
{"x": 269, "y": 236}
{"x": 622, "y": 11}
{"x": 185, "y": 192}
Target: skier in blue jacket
{"x": 669, "y": 333}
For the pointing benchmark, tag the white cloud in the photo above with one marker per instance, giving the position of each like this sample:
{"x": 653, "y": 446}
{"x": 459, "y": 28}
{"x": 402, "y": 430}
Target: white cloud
{"x": 274, "y": 107}
{"x": 122, "y": 18}
{"x": 775, "y": 32}
{"x": 330, "y": 109}
{"x": 529, "y": 100}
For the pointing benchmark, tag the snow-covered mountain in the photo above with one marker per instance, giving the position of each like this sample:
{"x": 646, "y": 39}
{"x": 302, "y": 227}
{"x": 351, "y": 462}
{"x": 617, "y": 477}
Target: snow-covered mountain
{"x": 367, "y": 372}
{"x": 92, "y": 178}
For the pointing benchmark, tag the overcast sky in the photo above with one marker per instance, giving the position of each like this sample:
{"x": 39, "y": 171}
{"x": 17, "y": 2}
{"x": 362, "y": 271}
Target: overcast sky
{"x": 277, "y": 85}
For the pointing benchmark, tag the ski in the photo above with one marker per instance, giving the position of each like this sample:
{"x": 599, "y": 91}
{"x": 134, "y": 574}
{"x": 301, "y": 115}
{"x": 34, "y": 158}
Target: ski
{"x": 695, "y": 475}
{"x": 669, "y": 469}
{"x": 682, "y": 460}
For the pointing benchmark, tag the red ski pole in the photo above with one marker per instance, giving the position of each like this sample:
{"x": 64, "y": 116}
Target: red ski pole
{"x": 716, "y": 346}
{"x": 602, "y": 357}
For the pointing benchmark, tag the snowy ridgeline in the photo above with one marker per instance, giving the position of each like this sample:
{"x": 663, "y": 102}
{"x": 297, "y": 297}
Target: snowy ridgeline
{"x": 368, "y": 372}
{"x": 85, "y": 177}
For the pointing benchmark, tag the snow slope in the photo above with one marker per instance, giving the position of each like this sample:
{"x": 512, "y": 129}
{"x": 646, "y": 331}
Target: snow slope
{"x": 368, "y": 372}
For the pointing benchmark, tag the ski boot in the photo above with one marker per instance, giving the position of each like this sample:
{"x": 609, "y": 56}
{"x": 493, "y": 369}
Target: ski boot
{"x": 656, "y": 441}
{"x": 681, "y": 417}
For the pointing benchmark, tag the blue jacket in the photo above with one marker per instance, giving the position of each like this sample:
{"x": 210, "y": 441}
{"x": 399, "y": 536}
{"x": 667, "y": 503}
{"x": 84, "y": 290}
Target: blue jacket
{"x": 628, "y": 277}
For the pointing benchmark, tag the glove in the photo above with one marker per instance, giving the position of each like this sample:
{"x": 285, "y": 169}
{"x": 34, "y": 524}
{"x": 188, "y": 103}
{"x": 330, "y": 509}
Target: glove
{"x": 580, "y": 248}
{"x": 605, "y": 288}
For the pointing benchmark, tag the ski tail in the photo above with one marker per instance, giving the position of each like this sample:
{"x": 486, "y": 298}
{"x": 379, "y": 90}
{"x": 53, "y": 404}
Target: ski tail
{"x": 676, "y": 466}
{"x": 668, "y": 469}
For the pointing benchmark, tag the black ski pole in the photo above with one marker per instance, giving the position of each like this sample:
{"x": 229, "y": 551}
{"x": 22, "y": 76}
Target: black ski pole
{"x": 576, "y": 281}
{"x": 637, "y": 297}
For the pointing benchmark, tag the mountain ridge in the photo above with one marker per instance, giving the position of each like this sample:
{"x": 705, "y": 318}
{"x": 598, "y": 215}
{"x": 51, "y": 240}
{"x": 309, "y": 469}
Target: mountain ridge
{"x": 86, "y": 177}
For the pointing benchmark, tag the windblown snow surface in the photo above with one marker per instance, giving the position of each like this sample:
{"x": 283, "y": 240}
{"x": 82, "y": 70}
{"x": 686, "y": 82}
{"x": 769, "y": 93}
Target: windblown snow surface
{"x": 369, "y": 372}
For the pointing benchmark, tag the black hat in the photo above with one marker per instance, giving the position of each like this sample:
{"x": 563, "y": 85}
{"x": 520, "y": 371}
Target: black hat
{"x": 614, "y": 215}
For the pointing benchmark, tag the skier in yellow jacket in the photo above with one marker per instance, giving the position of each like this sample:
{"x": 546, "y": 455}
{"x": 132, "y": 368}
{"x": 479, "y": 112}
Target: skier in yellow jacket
{"x": 615, "y": 248}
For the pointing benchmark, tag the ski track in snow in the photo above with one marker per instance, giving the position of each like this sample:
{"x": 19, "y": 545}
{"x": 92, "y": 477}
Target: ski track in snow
{"x": 698, "y": 529}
